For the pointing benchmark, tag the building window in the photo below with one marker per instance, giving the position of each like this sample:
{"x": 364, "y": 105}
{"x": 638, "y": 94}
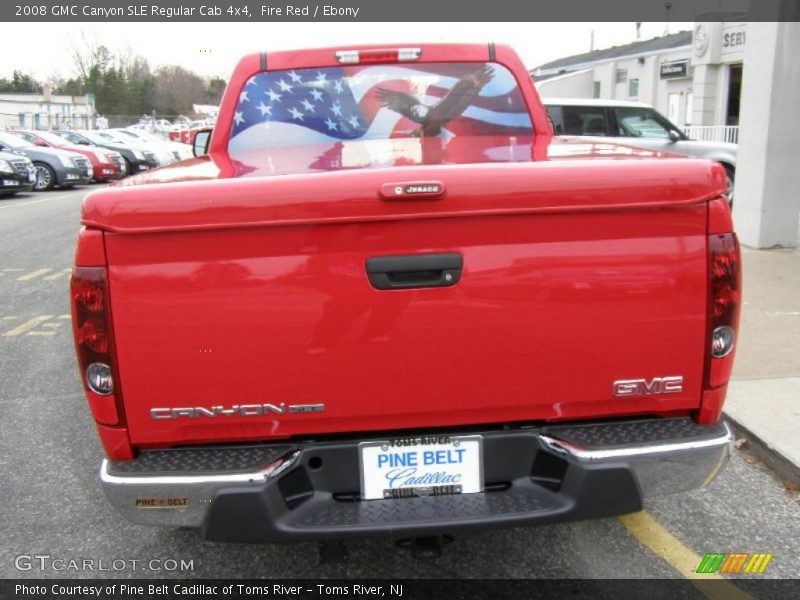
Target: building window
{"x": 621, "y": 76}
{"x": 633, "y": 88}
{"x": 596, "y": 89}
{"x": 734, "y": 94}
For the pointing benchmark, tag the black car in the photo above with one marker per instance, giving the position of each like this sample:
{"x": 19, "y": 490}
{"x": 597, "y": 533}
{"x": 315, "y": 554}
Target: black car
{"x": 53, "y": 166}
{"x": 17, "y": 174}
{"x": 136, "y": 159}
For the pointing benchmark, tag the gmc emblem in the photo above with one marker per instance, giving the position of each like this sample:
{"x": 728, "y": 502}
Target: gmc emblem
{"x": 651, "y": 387}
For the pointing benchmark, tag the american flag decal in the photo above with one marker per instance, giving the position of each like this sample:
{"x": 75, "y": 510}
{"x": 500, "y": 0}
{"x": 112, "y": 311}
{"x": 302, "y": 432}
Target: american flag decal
{"x": 339, "y": 104}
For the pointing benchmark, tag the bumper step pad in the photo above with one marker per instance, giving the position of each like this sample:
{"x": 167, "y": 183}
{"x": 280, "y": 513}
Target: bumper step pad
{"x": 206, "y": 460}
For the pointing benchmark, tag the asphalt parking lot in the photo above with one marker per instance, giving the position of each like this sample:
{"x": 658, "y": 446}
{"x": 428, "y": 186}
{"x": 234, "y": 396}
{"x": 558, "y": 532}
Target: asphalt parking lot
{"x": 53, "y": 505}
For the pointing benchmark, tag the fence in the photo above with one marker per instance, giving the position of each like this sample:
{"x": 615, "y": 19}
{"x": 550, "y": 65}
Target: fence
{"x": 713, "y": 133}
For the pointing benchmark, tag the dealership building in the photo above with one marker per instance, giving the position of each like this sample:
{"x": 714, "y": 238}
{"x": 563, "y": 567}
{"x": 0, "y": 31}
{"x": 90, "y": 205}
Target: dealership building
{"x": 728, "y": 81}
{"x": 692, "y": 77}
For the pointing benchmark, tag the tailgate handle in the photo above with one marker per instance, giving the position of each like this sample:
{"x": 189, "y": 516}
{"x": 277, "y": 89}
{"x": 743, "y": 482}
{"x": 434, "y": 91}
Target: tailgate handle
{"x": 414, "y": 271}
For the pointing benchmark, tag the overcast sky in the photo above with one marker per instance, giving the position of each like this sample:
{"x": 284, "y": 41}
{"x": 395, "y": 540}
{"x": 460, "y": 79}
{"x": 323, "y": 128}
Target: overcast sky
{"x": 43, "y": 49}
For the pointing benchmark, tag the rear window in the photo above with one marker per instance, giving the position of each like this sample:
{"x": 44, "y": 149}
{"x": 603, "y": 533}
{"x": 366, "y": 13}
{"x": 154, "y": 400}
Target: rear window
{"x": 355, "y": 108}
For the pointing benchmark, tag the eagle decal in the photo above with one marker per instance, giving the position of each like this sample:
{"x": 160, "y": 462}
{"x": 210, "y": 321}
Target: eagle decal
{"x": 433, "y": 118}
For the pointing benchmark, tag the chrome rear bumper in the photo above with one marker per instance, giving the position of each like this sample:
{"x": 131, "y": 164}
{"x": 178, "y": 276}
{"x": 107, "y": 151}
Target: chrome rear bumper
{"x": 664, "y": 467}
{"x": 179, "y": 494}
{"x": 279, "y": 492}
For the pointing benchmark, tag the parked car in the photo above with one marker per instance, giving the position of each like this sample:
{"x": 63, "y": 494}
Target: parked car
{"x": 186, "y": 135}
{"x": 419, "y": 315}
{"x": 159, "y": 127}
{"x": 166, "y": 151}
{"x": 174, "y": 131}
{"x": 634, "y": 123}
{"x": 136, "y": 159}
{"x": 17, "y": 174}
{"x": 107, "y": 165}
{"x": 54, "y": 167}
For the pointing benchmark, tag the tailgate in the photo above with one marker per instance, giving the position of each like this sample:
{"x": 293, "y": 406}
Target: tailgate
{"x": 274, "y": 330}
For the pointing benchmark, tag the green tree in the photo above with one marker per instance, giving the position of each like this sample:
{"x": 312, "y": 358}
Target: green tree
{"x": 70, "y": 87}
{"x": 177, "y": 89}
{"x": 214, "y": 89}
{"x": 140, "y": 87}
{"x": 110, "y": 93}
{"x": 124, "y": 84}
{"x": 20, "y": 83}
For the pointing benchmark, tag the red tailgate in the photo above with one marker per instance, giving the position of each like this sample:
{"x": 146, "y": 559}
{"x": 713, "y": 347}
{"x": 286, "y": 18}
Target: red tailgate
{"x": 552, "y": 307}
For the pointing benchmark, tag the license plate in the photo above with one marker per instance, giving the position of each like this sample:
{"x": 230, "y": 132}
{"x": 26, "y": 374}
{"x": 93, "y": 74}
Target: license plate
{"x": 428, "y": 465}
{"x": 10, "y": 182}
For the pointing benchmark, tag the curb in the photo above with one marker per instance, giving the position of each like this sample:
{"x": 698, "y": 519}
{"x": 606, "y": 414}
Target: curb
{"x": 771, "y": 457}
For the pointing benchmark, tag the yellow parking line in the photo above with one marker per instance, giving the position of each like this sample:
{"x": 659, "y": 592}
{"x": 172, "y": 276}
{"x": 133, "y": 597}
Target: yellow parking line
{"x": 27, "y": 326}
{"x": 33, "y": 274}
{"x": 61, "y": 273}
{"x": 651, "y": 533}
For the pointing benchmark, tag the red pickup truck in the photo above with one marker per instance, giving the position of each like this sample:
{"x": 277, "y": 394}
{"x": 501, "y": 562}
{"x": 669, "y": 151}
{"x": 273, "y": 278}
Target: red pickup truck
{"x": 388, "y": 301}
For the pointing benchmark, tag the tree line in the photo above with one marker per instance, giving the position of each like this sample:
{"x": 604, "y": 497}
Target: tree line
{"x": 124, "y": 83}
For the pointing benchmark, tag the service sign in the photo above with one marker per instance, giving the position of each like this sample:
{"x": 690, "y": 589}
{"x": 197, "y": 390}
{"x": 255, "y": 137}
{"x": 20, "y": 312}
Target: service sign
{"x": 429, "y": 465}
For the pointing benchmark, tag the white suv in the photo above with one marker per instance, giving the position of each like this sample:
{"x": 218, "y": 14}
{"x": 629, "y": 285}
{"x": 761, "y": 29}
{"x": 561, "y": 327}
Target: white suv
{"x": 635, "y": 124}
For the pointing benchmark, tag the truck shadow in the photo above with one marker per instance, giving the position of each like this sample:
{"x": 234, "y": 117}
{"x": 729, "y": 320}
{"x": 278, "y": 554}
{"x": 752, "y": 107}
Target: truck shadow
{"x": 551, "y": 551}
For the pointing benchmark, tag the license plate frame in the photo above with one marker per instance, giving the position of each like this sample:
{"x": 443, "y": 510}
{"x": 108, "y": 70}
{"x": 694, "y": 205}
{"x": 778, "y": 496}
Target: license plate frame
{"x": 433, "y": 475}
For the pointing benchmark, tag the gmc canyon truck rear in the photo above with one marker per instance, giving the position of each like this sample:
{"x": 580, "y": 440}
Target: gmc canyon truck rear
{"x": 389, "y": 302}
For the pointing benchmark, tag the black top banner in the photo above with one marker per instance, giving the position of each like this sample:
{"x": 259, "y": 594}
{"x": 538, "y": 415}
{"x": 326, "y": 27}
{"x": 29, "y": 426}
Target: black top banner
{"x": 399, "y": 10}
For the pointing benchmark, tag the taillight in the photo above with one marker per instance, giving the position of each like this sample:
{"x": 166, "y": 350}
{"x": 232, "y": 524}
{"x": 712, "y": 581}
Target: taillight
{"x": 725, "y": 298}
{"x": 354, "y": 57}
{"x": 724, "y": 302}
{"x": 91, "y": 322}
{"x": 90, "y": 292}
